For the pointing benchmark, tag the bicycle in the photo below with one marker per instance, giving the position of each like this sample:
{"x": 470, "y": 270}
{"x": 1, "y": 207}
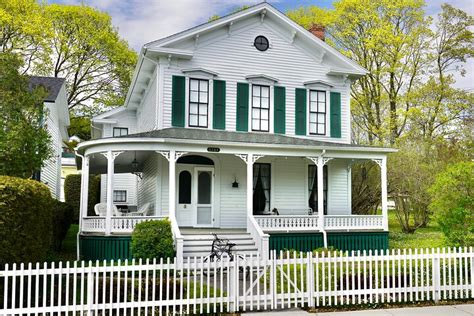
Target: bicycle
{"x": 222, "y": 247}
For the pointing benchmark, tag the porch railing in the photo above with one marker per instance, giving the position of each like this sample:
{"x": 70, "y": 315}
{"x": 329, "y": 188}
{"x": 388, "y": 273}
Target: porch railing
{"x": 261, "y": 239}
{"x": 119, "y": 224}
{"x": 358, "y": 222}
{"x": 287, "y": 222}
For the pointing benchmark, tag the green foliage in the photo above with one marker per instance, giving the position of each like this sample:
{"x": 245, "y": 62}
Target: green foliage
{"x": 366, "y": 194}
{"x": 453, "y": 203}
{"x": 26, "y": 227}
{"x": 81, "y": 127}
{"x": 62, "y": 218}
{"x": 75, "y": 42}
{"x": 24, "y": 140}
{"x": 152, "y": 239}
{"x": 72, "y": 194}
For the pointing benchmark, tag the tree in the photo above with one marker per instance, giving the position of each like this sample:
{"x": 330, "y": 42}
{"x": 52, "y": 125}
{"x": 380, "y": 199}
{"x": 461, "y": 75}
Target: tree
{"x": 453, "y": 202}
{"x": 24, "y": 140}
{"x": 89, "y": 53}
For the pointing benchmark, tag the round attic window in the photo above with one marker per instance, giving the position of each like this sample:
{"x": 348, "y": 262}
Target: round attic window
{"x": 261, "y": 43}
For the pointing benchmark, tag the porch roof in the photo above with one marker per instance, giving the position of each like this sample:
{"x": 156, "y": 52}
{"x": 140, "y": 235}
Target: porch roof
{"x": 247, "y": 138}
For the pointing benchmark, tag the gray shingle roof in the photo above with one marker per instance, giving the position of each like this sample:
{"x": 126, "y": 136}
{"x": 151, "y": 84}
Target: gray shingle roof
{"x": 240, "y": 137}
{"x": 51, "y": 84}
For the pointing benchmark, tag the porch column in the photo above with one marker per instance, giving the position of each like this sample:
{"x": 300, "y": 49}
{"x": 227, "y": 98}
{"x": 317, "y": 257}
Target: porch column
{"x": 250, "y": 185}
{"x": 84, "y": 190}
{"x": 320, "y": 180}
{"x": 172, "y": 185}
{"x": 383, "y": 182}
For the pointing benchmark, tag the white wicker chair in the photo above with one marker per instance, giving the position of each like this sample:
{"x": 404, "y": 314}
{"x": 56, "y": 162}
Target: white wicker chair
{"x": 142, "y": 211}
{"x": 101, "y": 210}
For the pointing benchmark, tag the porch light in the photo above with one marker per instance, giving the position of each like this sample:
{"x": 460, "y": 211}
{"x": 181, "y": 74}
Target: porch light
{"x": 135, "y": 167}
{"x": 235, "y": 184}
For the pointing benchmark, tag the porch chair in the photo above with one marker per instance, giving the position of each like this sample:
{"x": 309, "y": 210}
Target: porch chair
{"x": 142, "y": 211}
{"x": 101, "y": 210}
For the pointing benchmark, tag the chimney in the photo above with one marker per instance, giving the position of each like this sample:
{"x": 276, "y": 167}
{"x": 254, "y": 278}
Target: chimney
{"x": 318, "y": 31}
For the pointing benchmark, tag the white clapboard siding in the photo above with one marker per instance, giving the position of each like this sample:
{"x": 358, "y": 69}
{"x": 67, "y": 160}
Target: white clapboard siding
{"x": 147, "y": 186}
{"x": 233, "y": 57}
{"x": 122, "y": 181}
{"x": 51, "y": 171}
{"x": 339, "y": 184}
{"x": 146, "y": 114}
{"x": 127, "y": 119}
{"x": 196, "y": 285}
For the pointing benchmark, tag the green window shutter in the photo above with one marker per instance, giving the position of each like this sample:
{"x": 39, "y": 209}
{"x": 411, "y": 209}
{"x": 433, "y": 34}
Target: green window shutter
{"x": 280, "y": 104}
{"x": 178, "y": 101}
{"x": 300, "y": 111}
{"x": 335, "y": 114}
{"x": 242, "y": 107}
{"x": 218, "y": 115}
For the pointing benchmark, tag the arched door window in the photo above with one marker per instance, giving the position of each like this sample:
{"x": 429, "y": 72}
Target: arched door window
{"x": 184, "y": 187}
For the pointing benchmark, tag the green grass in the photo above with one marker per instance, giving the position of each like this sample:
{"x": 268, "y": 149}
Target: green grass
{"x": 427, "y": 237}
{"x": 68, "y": 253}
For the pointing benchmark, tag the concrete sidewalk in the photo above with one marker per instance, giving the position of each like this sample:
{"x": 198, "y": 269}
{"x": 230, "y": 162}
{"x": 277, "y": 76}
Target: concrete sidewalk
{"x": 442, "y": 310}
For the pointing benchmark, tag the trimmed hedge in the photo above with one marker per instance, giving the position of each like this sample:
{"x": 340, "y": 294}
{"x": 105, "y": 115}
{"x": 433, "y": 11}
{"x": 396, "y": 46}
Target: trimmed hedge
{"x": 62, "y": 220}
{"x": 152, "y": 239}
{"x": 26, "y": 226}
{"x": 72, "y": 194}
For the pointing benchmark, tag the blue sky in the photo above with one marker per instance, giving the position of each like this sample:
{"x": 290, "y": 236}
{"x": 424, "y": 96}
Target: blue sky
{"x": 143, "y": 21}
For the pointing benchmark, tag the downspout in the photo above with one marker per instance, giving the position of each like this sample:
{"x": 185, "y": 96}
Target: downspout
{"x": 323, "y": 231}
{"x": 78, "y": 254}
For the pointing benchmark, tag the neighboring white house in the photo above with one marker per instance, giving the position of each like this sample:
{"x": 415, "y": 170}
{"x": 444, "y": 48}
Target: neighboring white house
{"x": 56, "y": 108}
{"x": 239, "y": 126}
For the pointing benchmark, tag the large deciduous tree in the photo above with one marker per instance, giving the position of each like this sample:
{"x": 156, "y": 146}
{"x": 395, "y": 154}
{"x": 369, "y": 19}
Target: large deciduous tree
{"x": 24, "y": 140}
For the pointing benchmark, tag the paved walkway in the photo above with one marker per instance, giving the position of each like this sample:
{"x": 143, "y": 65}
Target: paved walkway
{"x": 445, "y": 310}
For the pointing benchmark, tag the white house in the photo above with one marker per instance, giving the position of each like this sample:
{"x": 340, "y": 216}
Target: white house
{"x": 239, "y": 126}
{"x": 56, "y": 108}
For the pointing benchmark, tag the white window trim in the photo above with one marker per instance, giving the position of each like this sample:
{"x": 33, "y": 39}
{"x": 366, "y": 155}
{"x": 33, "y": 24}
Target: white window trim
{"x": 126, "y": 196}
{"x": 210, "y": 100}
{"x": 262, "y": 82}
{"x": 328, "y": 110}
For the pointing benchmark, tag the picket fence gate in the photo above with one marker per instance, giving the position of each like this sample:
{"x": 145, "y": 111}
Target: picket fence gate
{"x": 286, "y": 279}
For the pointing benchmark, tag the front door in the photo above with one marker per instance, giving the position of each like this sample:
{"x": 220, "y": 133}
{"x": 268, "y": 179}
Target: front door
{"x": 204, "y": 193}
{"x": 185, "y": 202}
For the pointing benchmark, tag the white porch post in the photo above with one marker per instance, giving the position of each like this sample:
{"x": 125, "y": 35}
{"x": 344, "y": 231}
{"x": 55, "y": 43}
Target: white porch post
{"x": 84, "y": 190}
{"x": 320, "y": 181}
{"x": 250, "y": 185}
{"x": 172, "y": 185}
{"x": 383, "y": 182}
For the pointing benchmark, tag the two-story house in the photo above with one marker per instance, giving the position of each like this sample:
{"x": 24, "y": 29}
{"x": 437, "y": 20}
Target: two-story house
{"x": 239, "y": 126}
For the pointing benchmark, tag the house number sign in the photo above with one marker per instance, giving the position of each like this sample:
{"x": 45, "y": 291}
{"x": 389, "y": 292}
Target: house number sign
{"x": 213, "y": 149}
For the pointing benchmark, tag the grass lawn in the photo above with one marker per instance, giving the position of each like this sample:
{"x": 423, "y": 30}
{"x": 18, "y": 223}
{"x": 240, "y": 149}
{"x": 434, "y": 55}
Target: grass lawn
{"x": 68, "y": 252}
{"x": 428, "y": 237}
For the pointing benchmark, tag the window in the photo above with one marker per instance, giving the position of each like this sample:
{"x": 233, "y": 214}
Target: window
{"x": 317, "y": 112}
{"x": 120, "y": 131}
{"x": 261, "y": 188}
{"x": 313, "y": 187}
{"x": 184, "y": 192}
{"x": 260, "y": 108}
{"x": 261, "y": 43}
{"x": 120, "y": 195}
{"x": 198, "y": 102}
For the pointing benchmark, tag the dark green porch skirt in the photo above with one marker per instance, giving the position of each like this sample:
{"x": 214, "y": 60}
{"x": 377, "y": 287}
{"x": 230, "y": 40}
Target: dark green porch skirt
{"x": 105, "y": 247}
{"x": 345, "y": 241}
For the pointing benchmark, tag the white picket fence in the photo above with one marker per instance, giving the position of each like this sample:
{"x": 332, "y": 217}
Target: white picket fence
{"x": 248, "y": 283}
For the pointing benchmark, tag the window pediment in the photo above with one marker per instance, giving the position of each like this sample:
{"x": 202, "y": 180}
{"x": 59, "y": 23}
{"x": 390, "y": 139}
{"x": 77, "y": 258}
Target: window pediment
{"x": 200, "y": 72}
{"x": 261, "y": 78}
{"x": 320, "y": 83}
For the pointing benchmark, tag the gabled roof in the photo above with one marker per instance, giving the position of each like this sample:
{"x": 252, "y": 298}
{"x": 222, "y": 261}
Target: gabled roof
{"x": 51, "y": 84}
{"x": 105, "y": 115}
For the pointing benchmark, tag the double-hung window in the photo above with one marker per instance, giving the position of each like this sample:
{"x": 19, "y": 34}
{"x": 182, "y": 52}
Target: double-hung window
{"x": 120, "y": 196}
{"x": 120, "y": 131}
{"x": 198, "y": 102}
{"x": 260, "y": 108}
{"x": 317, "y": 112}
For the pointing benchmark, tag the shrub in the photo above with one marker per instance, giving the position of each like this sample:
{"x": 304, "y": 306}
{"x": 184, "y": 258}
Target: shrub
{"x": 25, "y": 220}
{"x": 62, "y": 219}
{"x": 72, "y": 194}
{"x": 453, "y": 203}
{"x": 152, "y": 239}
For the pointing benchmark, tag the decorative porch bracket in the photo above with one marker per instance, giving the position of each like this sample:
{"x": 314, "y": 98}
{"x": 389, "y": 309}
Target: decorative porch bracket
{"x": 166, "y": 154}
{"x": 110, "y": 155}
{"x": 382, "y": 163}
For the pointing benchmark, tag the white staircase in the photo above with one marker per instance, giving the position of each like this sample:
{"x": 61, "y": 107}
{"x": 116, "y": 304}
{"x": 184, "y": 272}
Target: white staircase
{"x": 198, "y": 242}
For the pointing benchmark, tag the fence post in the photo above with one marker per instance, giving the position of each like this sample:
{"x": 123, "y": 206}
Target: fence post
{"x": 309, "y": 280}
{"x": 436, "y": 275}
{"x": 233, "y": 293}
{"x": 90, "y": 290}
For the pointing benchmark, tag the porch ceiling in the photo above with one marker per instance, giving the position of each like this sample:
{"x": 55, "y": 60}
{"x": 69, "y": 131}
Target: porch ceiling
{"x": 122, "y": 164}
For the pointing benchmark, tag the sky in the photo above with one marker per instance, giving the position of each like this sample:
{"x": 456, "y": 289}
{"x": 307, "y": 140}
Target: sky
{"x": 143, "y": 21}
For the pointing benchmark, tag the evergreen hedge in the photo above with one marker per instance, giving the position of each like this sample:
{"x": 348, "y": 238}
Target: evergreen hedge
{"x": 26, "y": 225}
{"x": 152, "y": 239}
{"x": 72, "y": 194}
{"x": 62, "y": 220}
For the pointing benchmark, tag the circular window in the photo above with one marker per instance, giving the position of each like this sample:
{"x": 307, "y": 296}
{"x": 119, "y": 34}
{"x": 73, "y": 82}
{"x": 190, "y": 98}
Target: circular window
{"x": 261, "y": 43}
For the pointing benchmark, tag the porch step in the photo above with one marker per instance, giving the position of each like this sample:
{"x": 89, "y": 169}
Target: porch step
{"x": 199, "y": 243}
